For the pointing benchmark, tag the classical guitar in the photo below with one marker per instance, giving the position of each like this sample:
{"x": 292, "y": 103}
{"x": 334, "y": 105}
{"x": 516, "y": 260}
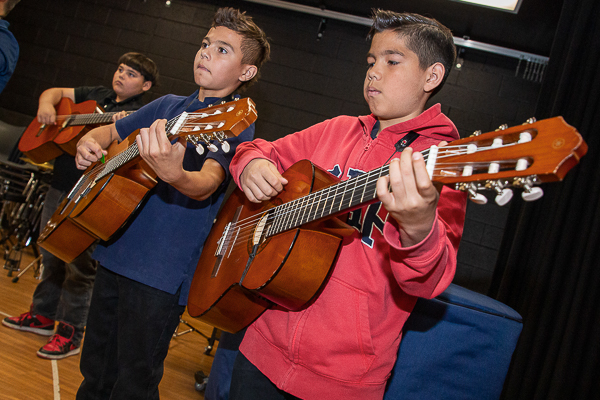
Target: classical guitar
{"x": 109, "y": 192}
{"x": 41, "y": 142}
{"x": 259, "y": 255}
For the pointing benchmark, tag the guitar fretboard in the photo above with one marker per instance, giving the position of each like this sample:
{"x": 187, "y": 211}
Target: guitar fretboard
{"x": 114, "y": 163}
{"x": 89, "y": 119}
{"x": 325, "y": 202}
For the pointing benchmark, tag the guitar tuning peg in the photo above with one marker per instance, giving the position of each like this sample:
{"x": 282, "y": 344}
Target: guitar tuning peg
{"x": 530, "y": 120}
{"x": 503, "y": 197}
{"x": 475, "y": 197}
{"x": 502, "y": 127}
{"x": 194, "y": 140}
{"x": 532, "y": 193}
{"x": 212, "y": 147}
{"x": 476, "y": 133}
{"x": 225, "y": 146}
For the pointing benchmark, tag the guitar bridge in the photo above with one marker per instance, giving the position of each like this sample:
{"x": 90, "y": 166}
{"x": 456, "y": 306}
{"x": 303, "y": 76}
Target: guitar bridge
{"x": 225, "y": 241}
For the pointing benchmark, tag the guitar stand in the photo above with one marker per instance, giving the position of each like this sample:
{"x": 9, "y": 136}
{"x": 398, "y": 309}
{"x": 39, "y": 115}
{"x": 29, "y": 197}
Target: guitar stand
{"x": 211, "y": 340}
{"x": 16, "y": 278}
{"x": 191, "y": 329}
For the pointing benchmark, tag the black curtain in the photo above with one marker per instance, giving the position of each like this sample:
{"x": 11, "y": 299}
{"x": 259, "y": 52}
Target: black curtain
{"x": 549, "y": 263}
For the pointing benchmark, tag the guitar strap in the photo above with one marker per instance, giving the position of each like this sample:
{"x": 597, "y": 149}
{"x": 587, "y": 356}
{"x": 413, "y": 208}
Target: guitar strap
{"x": 403, "y": 143}
{"x": 225, "y": 99}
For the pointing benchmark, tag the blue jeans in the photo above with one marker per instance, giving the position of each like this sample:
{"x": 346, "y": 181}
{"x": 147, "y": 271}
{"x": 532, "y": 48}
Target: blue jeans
{"x": 65, "y": 290}
{"x": 130, "y": 326}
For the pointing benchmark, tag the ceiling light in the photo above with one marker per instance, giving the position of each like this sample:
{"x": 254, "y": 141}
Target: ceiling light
{"x": 503, "y": 5}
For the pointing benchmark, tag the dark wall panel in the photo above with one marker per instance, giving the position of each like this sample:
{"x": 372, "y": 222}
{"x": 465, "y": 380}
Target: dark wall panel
{"x": 77, "y": 42}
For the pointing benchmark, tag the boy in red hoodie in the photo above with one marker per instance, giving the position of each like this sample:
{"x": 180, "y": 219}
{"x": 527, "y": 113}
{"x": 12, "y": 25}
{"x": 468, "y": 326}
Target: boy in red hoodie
{"x": 345, "y": 343}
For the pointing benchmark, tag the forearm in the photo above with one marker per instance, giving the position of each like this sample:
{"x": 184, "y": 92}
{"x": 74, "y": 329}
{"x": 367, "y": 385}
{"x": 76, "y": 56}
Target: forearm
{"x": 427, "y": 268}
{"x": 200, "y": 185}
{"x": 104, "y": 135}
{"x": 54, "y": 95}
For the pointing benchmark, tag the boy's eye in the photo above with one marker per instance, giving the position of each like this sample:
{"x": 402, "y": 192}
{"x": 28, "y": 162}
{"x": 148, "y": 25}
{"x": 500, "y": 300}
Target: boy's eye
{"x": 204, "y": 45}
{"x": 392, "y": 62}
{"x": 222, "y": 50}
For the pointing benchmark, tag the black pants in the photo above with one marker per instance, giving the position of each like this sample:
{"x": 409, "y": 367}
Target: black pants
{"x": 248, "y": 383}
{"x": 127, "y": 339}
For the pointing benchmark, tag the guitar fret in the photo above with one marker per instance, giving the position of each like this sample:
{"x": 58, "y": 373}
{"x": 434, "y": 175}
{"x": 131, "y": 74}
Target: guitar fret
{"x": 283, "y": 215}
{"x": 319, "y": 207}
{"x": 302, "y": 208}
{"x": 296, "y": 212}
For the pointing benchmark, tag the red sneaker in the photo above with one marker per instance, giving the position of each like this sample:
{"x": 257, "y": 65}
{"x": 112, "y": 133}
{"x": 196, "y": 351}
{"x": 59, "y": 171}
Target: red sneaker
{"x": 60, "y": 345}
{"x": 29, "y": 322}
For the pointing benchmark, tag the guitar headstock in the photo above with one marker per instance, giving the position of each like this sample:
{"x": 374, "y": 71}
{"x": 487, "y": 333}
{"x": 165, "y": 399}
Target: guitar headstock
{"x": 521, "y": 156}
{"x": 217, "y": 122}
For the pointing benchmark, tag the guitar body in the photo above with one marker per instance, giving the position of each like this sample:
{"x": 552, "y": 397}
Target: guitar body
{"x": 108, "y": 193}
{"x": 100, "y": 212}
{"x": 62, "y": 237}
{"x": 43, "y": 143}
{"x": 288, "y": 269}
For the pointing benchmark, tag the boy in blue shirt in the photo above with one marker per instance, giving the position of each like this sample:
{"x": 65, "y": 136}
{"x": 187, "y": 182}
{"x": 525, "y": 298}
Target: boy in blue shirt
{"x": 146, "y": 270}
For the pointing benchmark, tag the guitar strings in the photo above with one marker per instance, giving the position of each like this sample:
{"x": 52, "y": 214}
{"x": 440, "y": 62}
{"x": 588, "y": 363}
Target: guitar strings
{"x": 245, "y": 227}
{"x": 113, "y": 163}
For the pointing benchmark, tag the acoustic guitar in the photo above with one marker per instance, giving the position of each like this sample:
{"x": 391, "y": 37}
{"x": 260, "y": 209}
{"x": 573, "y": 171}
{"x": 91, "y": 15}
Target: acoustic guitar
{"x": 109, "y": 192}
{"x": 260, "y": 255}
{"x": 42, "y": 143}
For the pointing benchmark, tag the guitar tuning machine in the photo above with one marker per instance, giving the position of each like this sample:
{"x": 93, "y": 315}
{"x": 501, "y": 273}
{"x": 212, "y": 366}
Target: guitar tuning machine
{"x": 208, "y": 141}
{"x": 530, "y": 192}
{"x": 476, "y": 133}
{"x": 503, "y": 194}
{"x": 194, "y": 140}
{"x": 502, "y": 127}
{"x": 225, "y": 146}
{"x": 471, "y": 189}
{"x": 531, "y": 120}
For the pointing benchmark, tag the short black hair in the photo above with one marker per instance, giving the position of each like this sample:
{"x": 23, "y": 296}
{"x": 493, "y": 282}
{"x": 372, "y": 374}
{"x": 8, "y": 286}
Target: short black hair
{"x": 141, "y": 64}
{"x": 256, "y": 49}
{"x": 430, "y": 40}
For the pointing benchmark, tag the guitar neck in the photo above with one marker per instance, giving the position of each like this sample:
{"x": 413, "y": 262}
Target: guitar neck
{"x": 333, "y": 200}
{"x": 520, "y": 157}
{"x": 88, "y": 119}
{"x": 215, "y": 123}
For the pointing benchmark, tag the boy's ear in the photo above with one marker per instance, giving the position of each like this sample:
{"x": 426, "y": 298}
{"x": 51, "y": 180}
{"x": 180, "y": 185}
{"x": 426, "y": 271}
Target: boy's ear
{"x": 146, "y": 86}
{"x": 250, "y": 72}
{"x": 435, "y": 76}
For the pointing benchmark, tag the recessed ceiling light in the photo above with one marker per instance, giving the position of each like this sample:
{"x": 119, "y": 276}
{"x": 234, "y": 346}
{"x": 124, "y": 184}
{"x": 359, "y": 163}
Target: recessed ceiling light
{"x": 503, "y": 5}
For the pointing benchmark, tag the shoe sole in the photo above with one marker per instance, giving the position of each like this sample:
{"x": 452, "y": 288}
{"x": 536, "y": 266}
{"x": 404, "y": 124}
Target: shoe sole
{"x": 58, "y": 356}
{"x": 37, "y": 331}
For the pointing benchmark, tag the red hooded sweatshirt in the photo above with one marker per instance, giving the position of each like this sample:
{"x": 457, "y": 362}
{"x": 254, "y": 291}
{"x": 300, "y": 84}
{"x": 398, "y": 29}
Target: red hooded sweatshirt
{"x": 344, "y": 345}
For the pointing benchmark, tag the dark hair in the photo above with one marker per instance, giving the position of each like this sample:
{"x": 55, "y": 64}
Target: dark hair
{"x": 430, "y": 40}
{"x": 255, "y": 45}
{"x": 141, "y": 64}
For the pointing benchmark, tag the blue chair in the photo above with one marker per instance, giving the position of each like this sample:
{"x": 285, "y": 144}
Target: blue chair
{"x": 456, "y": 346}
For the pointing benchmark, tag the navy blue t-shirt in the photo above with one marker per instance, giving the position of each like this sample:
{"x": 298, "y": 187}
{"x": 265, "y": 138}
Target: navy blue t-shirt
{"x": 9, "y": 53}
{"x": 161, "y": 244}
